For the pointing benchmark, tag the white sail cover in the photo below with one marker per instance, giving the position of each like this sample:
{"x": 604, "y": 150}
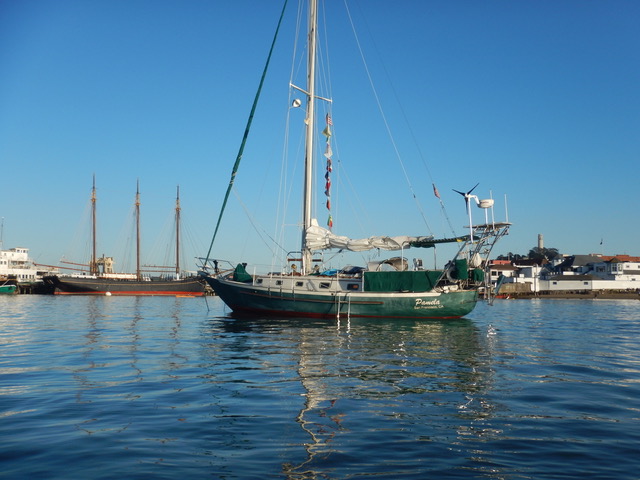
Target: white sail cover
{"x": 319, "y": 238}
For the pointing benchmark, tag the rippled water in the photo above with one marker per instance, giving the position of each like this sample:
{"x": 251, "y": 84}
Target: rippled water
{"x": 130, "y": 387}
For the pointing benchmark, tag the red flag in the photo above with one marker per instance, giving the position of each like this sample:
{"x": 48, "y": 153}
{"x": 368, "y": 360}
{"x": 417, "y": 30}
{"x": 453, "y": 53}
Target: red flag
{"x": 435, "y": 190}
{"x": 330, "y": 222}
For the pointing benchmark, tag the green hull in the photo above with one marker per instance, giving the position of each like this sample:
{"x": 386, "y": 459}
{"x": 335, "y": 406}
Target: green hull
{"x": 248, "y": 298}
{"x": 8, "y": 289}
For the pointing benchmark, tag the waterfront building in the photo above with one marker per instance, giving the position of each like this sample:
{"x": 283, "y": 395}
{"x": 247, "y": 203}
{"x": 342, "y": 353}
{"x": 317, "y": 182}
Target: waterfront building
{"x": 16, "y": 267}
{"x": 570, "y": 274}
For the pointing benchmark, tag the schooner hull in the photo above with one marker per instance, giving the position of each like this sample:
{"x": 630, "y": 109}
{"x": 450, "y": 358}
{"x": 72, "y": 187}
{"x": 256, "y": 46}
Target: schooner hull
{"x": 248, "y": 298}
{"x": 100, "y": 286}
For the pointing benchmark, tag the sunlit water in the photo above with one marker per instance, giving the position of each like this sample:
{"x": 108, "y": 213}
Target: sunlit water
{"x": 104, "y": 387}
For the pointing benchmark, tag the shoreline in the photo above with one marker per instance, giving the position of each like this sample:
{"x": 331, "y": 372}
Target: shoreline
{"x": 571, "y": 295}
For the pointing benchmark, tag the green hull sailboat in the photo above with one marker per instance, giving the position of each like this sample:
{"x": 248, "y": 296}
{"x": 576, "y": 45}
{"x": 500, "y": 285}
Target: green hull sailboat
{"x": 311, "y": 296}
{"x": 306, "y": 287}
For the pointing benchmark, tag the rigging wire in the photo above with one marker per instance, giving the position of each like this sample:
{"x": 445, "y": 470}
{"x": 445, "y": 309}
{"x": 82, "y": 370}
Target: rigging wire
{"x": 79, "y": 247}
{"x": 411, "y": 132}
{"x": 384, "y": 119}
{"x": 246, "y": 134}
{"x": 286, "y": 188}
{"x": 254, "y": 223}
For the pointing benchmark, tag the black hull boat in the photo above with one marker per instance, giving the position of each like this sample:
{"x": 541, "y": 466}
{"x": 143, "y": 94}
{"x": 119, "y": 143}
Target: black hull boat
{"x": 191, "y": 286}
{"x": 102, "y": 278}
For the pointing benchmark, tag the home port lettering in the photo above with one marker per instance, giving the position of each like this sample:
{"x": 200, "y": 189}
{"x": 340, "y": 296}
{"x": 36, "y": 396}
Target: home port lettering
{"x": 427, "y": 304}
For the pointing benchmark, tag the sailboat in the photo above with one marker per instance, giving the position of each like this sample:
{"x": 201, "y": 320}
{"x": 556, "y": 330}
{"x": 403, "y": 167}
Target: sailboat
{"x": 102, "y": 280}
{"x": 383, "y": 289}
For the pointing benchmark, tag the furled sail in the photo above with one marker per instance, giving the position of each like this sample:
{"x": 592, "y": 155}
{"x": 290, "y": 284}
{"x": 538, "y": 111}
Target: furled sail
{"x": 319, "y": 238}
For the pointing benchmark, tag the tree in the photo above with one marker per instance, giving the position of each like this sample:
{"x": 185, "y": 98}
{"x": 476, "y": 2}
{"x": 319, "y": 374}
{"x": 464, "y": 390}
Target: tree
{"x": 540, "y": 254}
{"x": 511, "y": 257}
{"x": 537, "y": 254}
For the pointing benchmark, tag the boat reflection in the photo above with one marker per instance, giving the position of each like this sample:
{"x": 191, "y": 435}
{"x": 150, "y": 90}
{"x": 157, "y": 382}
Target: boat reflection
{"x": 344, "y": 366}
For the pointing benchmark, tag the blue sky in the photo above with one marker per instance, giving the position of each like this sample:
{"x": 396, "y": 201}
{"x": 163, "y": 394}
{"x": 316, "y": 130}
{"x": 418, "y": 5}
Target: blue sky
{"x": 535, "y": 100}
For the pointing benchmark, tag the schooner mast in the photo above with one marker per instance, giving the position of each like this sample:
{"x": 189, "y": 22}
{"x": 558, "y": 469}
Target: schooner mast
{"x": 93, "y": 265}
{"x": 137, "y": 206}
{"x": 178, "y": 231}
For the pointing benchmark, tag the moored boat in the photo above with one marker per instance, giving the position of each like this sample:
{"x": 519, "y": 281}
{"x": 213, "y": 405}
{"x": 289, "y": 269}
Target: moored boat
{"x": 20, "y": 274}
{"x": 104, "y": 285}
{"x": 101, "y": 279}
{"x": 305, "y": 287}
{"x": 7, "y": 288}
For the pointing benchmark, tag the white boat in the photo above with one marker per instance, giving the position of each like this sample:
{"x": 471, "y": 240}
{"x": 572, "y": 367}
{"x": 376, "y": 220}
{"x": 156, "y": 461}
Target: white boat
{"x": 19, "y": 270}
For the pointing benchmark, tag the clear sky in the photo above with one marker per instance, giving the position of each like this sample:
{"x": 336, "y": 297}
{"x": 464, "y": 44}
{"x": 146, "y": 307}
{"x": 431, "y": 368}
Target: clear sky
{"x": 536, "y": 100}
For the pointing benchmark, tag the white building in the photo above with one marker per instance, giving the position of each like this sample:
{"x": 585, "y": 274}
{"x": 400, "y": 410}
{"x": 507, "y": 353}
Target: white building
{"x": 577, "y": 273}
{"x": 15, "y": 264}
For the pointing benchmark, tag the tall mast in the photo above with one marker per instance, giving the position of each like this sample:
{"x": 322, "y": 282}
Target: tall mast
{"x": 138, "y": 230}
{"x": 310, "y": 118}
{"x": 178, "y": 231}
{"x": 93, "y": 265}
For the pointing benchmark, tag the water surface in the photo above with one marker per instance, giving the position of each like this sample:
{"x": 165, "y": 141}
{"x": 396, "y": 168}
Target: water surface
{"x": 132, "y": 387}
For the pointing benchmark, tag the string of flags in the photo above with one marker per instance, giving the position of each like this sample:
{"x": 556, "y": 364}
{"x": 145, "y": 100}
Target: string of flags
{"x": 327, "y": 176}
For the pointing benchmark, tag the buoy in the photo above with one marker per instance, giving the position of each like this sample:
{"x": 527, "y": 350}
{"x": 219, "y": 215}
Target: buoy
{"x": 107, "y": 294}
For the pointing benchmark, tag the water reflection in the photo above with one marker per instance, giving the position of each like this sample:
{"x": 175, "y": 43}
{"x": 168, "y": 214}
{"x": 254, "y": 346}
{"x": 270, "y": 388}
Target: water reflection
{"x": 94, "y": 329}
{"x": 396, "y": 370}
{"x": 161, "y": 382}
{"x": 177, "y": 360}
{"x": 134, "y": 335}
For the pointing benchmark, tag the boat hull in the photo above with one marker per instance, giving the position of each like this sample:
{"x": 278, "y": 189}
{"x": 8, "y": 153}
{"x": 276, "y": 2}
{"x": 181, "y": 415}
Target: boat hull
{"x": 248, "y": 298}
{"x": 8, "y": 289}
{"x": 101, "y": 286}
